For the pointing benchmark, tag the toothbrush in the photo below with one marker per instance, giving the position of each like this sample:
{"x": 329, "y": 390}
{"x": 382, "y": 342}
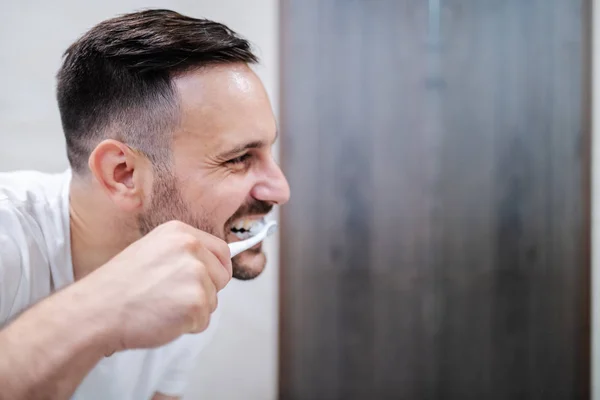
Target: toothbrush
{"x": 237, "y": 247}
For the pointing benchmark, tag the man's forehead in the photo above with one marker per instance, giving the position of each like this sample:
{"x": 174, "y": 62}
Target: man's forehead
{"x": 224, "y": 107}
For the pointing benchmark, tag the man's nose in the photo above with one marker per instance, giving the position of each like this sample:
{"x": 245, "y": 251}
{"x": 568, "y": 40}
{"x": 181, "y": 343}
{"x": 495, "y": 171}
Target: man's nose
{"x": 273, "y": 186}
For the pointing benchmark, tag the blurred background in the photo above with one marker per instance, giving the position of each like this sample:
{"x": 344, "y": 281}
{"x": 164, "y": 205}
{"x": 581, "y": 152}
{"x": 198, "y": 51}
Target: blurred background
{"x": 439, "y": 241}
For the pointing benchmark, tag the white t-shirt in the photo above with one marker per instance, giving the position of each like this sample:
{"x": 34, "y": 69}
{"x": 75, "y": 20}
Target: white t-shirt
{"x": 35, "y": 260}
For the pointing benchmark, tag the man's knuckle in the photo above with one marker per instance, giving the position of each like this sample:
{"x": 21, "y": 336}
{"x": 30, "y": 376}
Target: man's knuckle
{"x": 188, "y": 242}
{"x": 200, "y": 271}
{"x": 174, "y": 225}
{"x": 203, "y": 323}
{"x": 224, "y": 248}
{"x": 198, "y": 303}
{"x": 214, "y": 303}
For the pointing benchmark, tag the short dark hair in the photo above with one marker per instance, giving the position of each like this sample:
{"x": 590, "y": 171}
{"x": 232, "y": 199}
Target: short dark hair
{"x": 116, "y": 80}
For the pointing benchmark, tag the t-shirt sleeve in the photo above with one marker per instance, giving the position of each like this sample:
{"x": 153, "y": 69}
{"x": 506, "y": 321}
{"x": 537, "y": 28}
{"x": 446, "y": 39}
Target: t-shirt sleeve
{"x": 11, "y": 269}
{"x": 184, "y": 356}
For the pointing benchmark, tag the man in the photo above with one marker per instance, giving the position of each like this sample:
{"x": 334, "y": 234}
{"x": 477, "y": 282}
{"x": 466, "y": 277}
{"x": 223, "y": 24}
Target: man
{"x": 109, "y": 273}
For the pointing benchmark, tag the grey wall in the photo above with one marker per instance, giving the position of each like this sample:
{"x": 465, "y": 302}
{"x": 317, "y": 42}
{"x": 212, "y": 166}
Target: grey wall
{"x": 241, "y": 363}
{"x": 437, "y": 244}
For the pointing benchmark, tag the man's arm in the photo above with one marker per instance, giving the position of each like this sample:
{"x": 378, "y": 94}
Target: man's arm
{"x": 160, "y": 287}
{"x": 50, "y": 348}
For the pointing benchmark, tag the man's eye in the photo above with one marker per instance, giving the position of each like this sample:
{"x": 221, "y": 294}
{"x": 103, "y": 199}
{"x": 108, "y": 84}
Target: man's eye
{"x": 240, "y": 160}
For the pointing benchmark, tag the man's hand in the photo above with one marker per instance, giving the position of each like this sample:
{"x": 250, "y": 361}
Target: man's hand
{"x": 162, "y": 286}
{"x": 158, "y": 288}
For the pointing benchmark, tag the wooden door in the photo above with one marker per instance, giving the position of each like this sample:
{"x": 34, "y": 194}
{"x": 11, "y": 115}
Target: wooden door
{"x": 437, "y": 242}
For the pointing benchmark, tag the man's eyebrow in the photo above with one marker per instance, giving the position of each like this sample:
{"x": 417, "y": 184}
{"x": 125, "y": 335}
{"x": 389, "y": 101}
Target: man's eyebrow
{"x": 239, "y": 149}
{"x": 257, "y": 144}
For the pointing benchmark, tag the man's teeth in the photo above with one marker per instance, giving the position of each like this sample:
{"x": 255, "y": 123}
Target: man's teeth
{"x": 245, "y": 224}
{"x": 245, "y": 228}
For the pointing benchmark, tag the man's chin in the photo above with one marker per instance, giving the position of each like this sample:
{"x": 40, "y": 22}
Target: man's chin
{"x": 249, "y": 264}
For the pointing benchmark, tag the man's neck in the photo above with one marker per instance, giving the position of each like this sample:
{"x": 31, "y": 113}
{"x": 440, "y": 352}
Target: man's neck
{"x": 97, "y": 234}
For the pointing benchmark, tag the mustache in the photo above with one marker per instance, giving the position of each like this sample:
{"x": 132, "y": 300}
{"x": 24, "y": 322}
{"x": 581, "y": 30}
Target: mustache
{"x": 252, "y": 208}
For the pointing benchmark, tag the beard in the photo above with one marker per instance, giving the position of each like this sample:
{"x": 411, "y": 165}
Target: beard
{"x": 167, "y": 204}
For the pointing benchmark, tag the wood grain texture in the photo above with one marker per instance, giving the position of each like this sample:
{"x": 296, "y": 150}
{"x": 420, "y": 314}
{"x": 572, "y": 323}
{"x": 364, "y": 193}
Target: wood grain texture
{"x": 437, "y": 242}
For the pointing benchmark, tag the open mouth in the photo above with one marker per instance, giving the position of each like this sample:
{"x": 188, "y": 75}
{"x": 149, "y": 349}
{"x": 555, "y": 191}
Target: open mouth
{"x": 244, "y": 228}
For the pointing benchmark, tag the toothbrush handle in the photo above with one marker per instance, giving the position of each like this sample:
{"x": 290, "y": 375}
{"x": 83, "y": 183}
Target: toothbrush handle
{"x": 237, "y": 247}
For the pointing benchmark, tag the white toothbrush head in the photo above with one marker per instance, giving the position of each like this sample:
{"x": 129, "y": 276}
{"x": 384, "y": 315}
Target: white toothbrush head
{"x": 267, "y": 230}
{"x": 271, "y": 228}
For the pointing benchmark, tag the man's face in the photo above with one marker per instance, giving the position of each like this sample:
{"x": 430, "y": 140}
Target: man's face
{"x": 224, "y": 176}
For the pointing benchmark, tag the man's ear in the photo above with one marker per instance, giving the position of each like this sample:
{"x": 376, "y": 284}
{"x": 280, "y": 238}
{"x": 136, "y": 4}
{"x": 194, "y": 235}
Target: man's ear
{"x": 120, "y": 171}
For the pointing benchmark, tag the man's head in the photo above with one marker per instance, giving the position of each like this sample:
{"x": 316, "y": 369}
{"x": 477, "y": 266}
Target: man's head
{"x": 163, "y": 111}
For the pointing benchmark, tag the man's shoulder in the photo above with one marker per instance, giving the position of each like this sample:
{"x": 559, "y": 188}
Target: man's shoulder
{"x": 32, "y": 236}
{"x": 32, "y": 203}
{"x": 24, "y": 275}
{"x": 19, "y": 188}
